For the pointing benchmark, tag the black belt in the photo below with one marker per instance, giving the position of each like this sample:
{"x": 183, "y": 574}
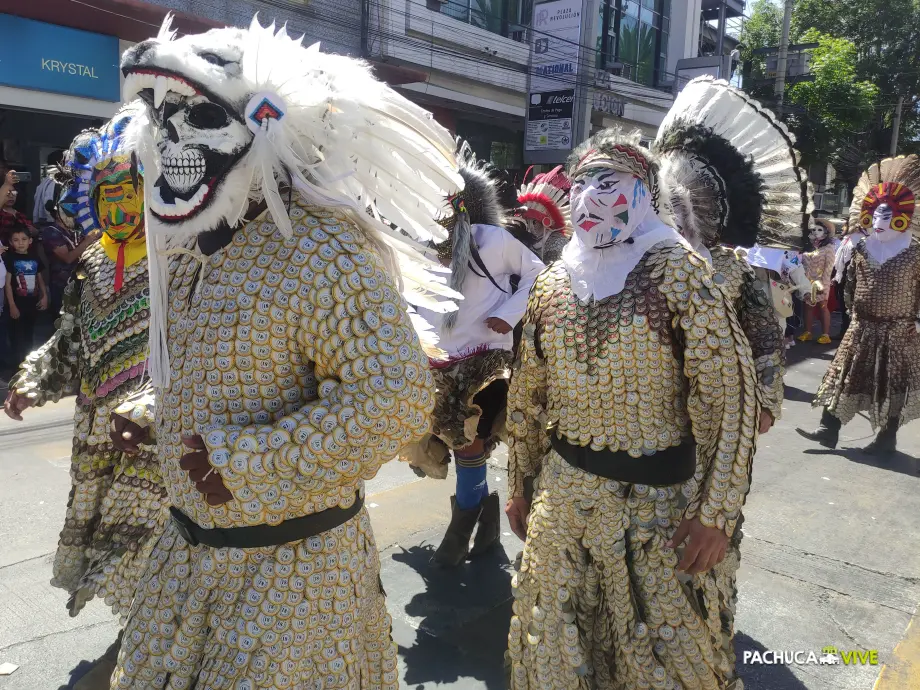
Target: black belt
{"x": 673, "y": 465}
{"x": 258, "y": 536}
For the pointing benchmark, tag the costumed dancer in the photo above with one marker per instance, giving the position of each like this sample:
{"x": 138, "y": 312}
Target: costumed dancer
{"x": 730, "y": 171}
{"x": 819, "y": 268}
{"x": 841, "y": 263}
{"x": 544, "y": 211}
{"x": 472, "y": 376}
{"x": 635, "y": 362}
{"x": 732, "y": 178}
{"x": 286, "y": 366}
{"x": 875, "y": 369}
{"x": 99, "y": 351}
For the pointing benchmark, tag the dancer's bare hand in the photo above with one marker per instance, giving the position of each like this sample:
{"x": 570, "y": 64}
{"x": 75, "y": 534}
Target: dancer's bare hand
{"x": 126, "y": 435}
{"x": 498, "y": 325}
{"x": 517, "y": 509}
{"x": 706, "y": 548}
{"x": 766, "y": 421}
{"x": 206, "y": 479}
{"x": 15, "y": 404}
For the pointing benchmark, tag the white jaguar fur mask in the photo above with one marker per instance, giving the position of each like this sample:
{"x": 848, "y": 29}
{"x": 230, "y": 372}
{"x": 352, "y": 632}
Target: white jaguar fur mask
{"x": 233, "y": 112}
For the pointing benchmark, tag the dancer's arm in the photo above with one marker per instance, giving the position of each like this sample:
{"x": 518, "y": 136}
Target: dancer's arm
{"x": 52, "y": 371}
{"x": 375, "y": 391}
{"x": 528, "y": 442}
{"x": 722, "y": 398}
{"x": 758, "y": 321}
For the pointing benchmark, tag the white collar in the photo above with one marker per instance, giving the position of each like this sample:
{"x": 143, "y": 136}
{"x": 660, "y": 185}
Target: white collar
{"x": 600, "y": 273}
{"x": 885, "y": 251}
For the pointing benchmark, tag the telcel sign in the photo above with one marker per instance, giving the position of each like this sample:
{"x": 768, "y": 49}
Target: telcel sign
{"x": 47, "y": 57}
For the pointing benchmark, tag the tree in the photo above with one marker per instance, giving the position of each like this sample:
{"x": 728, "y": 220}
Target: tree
{"x": 886, "y": 34}
{"x": 762, "y": 30}
{"x": 836, "y": 105}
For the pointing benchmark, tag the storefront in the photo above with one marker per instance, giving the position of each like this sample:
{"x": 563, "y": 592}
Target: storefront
{"x": 57, "y": 80}
{"x": 54, "y": 82}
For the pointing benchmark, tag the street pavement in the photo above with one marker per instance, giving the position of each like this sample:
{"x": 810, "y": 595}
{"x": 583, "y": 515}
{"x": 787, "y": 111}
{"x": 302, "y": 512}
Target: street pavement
{"x": 830, "y": 557}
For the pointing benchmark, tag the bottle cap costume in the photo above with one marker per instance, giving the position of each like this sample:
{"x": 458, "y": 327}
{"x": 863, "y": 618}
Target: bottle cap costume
{"x": 732, "y": 180}
{"x": 99, "y": 350}
{"x": 282, "y": 338}
{"x": 874, "y": 368}
{"x": 618, "y": 386}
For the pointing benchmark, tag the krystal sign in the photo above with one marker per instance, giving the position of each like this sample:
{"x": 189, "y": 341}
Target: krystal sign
{"x": 554, "y": 54}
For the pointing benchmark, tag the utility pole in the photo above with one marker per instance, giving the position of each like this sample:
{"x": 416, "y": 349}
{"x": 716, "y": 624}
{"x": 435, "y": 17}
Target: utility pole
{"x": 896, "y": 126}
{"x": 779, "y": 88}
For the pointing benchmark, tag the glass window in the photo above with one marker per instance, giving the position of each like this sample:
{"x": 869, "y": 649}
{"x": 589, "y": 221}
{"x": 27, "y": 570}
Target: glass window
{"x": 631, "y": 8}
{"x": 645, "y": 62}
{"x": 647, "y": 16}
{"x": 491, "y": 15}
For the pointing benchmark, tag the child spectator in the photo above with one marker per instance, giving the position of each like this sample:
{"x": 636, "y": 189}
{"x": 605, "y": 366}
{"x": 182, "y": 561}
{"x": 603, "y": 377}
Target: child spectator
{"x": 25, "y": 291}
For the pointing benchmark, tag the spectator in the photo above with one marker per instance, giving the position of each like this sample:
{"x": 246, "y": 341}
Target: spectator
{"x": 25, "y": 291}
{"x": 10, "y": 218}
{"x": 63, "y": 251}
{"x": 41, "y": 215}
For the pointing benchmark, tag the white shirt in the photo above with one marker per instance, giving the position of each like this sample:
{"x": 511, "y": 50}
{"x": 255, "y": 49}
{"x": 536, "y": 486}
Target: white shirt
{"x": 44, "y": 193}
{"x": 504, "y": 256}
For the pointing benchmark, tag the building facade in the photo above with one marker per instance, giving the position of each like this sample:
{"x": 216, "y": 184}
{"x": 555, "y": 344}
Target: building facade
{"x": 474, "y": 57}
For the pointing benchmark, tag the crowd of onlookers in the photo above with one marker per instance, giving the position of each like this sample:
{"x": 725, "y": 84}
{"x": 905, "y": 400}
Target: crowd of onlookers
{"x": 39, "y": 251}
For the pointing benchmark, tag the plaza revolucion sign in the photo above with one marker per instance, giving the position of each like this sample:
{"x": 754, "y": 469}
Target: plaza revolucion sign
{"x": 47, "y": 57}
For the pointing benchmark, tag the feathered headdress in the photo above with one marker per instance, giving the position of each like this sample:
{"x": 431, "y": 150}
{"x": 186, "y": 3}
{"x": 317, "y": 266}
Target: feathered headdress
{"x": 544, "y": 202}
{"x": 894, "y": 181}
{"x": 95, "y": 156}
{"x": 477, "y": 204}
{"x": 616, "y": 150}
{"x": 731, "y": 169}
{"x": 318, "y": 122}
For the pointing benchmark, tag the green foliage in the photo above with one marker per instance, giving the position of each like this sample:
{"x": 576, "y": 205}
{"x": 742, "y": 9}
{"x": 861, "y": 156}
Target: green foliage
{"x": 886, "y": 36}
{"x": 837, "y": 105}
{"x": 763, "y": 29}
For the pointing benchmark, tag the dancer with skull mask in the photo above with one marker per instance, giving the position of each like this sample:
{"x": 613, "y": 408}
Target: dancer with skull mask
{"x": 285, "y": 365}
{"x": 471, "y": 376}
{"x": 99, "y": 351}
{"x": 875, "y": 368}
{"x": 634, "y": 360}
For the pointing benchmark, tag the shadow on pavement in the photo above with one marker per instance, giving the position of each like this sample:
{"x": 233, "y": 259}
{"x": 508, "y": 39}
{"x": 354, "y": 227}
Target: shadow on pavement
{"x": 464, "y": 612}
{"x": 797, "y": 395}
{"x": 76, "y": 674}
{"x": 763, "y": 676}
{"x": 897, "y": 462}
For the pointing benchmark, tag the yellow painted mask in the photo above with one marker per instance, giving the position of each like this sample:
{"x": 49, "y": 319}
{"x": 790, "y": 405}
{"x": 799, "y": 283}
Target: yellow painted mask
{"x": 120, "y": 209}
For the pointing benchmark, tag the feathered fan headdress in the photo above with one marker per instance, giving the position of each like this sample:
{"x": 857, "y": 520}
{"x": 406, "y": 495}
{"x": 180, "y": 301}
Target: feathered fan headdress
{"x": 544, "y": 201}
{"x": 94, "y": 156}
{"x": 477, "y": 204}
{"x": 894, "y": 181}
{"x": 731, "y": 170}
{"x": 316, "y": 121}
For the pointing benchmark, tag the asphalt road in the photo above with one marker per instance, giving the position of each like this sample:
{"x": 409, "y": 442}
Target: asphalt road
{"x": 830, "y": 556}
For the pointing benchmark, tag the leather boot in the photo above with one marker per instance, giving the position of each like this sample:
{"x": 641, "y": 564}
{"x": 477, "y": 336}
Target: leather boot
{"x": 827, "y": 433}
{"x": 886, "y": 441}
{"x": 488, "y": 531}
{"x": 455, "y": 546}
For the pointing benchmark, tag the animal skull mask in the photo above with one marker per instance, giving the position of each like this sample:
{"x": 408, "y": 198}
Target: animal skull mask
{"x": 196, "y": 100}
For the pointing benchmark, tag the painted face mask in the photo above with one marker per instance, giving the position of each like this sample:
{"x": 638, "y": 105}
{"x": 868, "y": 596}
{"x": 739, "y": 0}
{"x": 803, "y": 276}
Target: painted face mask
{"x": 608, "y": 206}
{"x": 817, "y": 235}
{"x": 120, "y": 209}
